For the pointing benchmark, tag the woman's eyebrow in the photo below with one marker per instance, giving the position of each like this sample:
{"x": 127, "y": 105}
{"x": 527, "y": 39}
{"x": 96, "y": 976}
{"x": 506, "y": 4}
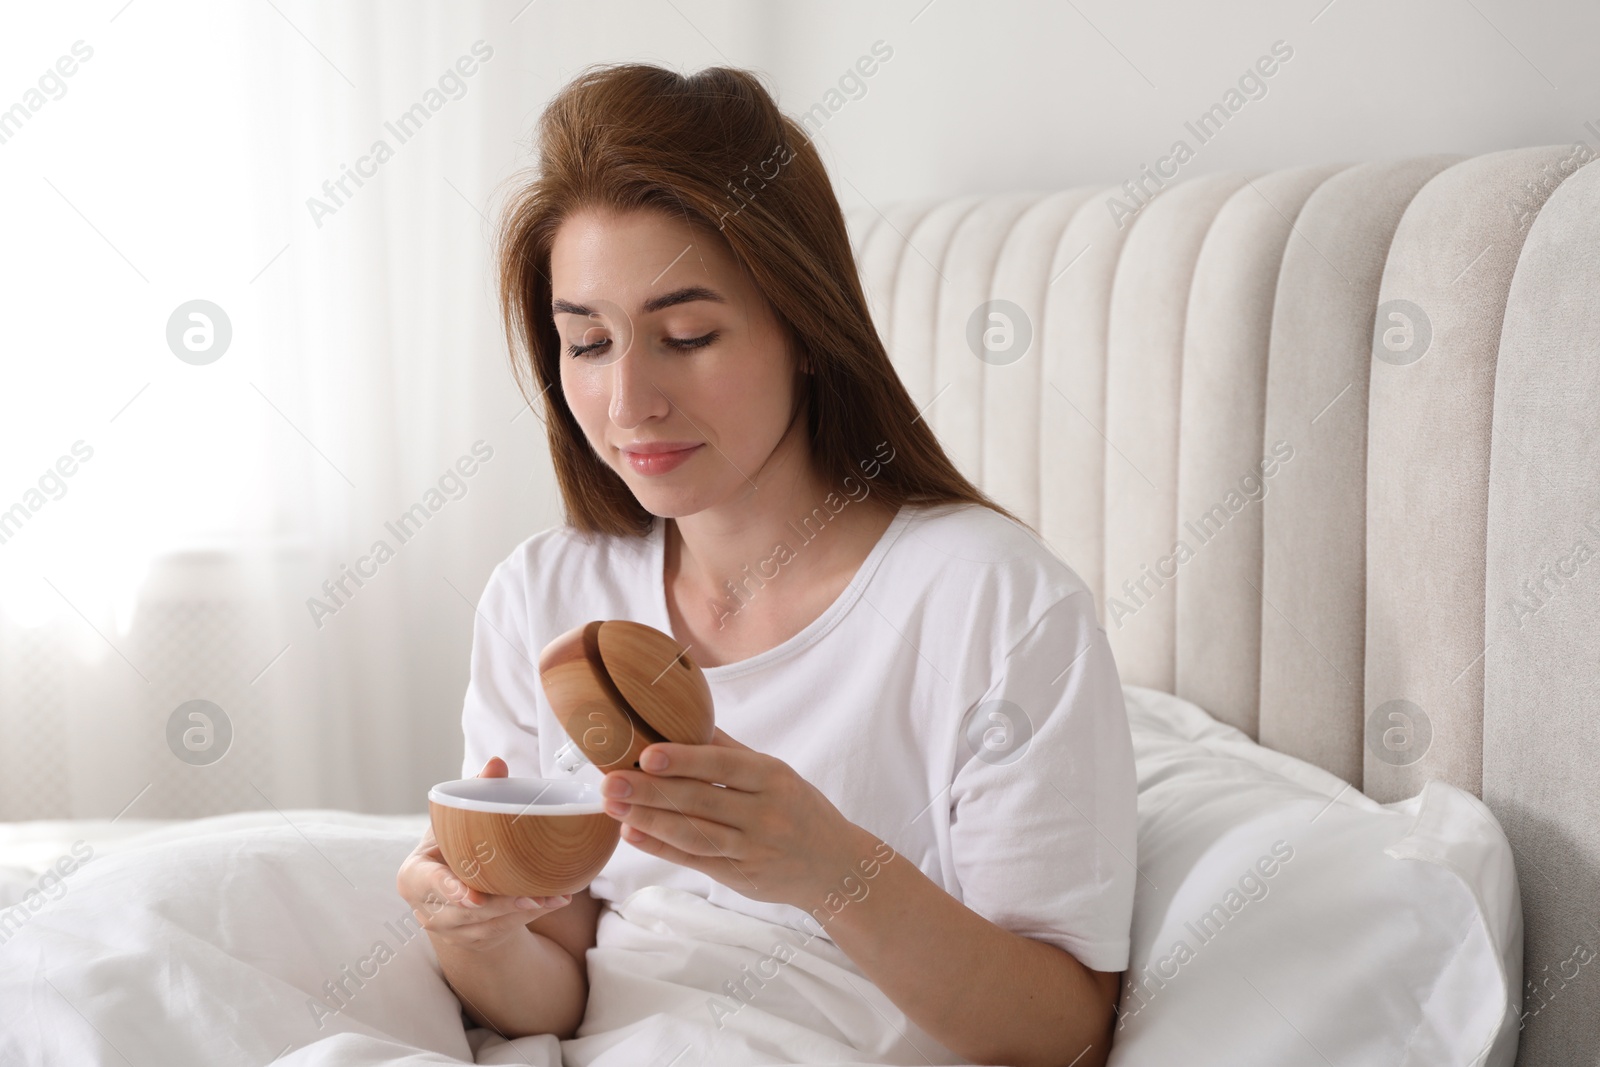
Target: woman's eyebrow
{"x": 685, "y": 295}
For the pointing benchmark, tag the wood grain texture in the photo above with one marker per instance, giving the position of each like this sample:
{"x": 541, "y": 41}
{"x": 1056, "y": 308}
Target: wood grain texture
{"x": 588, "y": 705}
{"x": 618, "y": 686}
{"x": 524, "y": 855}
{"x": 662, "y": 685}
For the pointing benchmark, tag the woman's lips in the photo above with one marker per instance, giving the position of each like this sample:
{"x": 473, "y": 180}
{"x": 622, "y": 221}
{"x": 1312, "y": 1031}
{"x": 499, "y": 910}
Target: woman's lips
{"x": 659, "y": 462}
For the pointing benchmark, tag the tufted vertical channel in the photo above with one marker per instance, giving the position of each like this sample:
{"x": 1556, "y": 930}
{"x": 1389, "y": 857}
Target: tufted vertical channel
{"x": 1072, "y": 393}
{"x": 880, "y": 247}
{"x": 915, "y": 302}
{"x": 1224, "y": 467}
{"x": 1436, "y": 340}
{"x": 1314, "y": 516}
{"x": 1012, "y": 370}
{"x": 1144, "y": 367}
{"x": 1541, "y": 712}
{"x": 967, "y": 275}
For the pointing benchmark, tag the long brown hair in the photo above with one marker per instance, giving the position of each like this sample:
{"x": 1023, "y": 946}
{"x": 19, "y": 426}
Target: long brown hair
{"x": 713, "y": 149}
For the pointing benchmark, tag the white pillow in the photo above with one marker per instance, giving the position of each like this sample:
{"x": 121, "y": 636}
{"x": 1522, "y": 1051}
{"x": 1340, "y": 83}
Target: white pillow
{"x": 1283, "y": 917}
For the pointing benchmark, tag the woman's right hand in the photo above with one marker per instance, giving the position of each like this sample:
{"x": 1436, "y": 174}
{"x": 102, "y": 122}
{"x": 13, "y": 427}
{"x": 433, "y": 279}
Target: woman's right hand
{"x": 452, "y": 912}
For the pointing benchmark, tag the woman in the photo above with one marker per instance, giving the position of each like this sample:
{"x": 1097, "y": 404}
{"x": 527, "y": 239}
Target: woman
{"x": 901, "y": 669}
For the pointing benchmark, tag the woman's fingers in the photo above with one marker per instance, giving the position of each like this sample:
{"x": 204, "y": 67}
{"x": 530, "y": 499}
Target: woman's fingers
{"x": 447, "y": 906}
{"x": 440, "y": 880}
{"x": 720, "y": 737}
{"x": 724, "y": 762}
{"x": 456, "y": 917}
{"x": 688, "y": 833}
{"x": 448, "y": 897}
{"x": 488, "y": 932}
{"x": 492, "y": 907}
{"x": 684, "y": 796}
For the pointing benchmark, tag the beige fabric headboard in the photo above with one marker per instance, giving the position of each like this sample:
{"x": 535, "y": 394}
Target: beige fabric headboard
{"x": 1326, "y": 444}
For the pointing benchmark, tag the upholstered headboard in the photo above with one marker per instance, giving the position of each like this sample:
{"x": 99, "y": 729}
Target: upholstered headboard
{"x": 1326, "y": 444}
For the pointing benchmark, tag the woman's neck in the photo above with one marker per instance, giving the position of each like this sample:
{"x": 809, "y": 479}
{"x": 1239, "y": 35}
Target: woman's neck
{"x": 742, "y": 578}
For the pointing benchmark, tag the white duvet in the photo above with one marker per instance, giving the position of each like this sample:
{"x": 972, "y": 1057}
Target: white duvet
{"x": 280, "y": 939}
{"x": 1393, "y": 936}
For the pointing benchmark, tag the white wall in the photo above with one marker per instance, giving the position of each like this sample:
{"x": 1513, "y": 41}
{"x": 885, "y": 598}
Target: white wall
{"x": 1011, "y": 94}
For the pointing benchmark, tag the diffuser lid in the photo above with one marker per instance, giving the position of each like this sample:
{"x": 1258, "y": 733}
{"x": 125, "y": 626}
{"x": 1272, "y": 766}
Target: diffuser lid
{"x": 617, "y": 686}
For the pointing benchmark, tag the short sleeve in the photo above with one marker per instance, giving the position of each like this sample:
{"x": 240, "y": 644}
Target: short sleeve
{"x": 499, "y": 715}
{"x": 1044, "y": 799}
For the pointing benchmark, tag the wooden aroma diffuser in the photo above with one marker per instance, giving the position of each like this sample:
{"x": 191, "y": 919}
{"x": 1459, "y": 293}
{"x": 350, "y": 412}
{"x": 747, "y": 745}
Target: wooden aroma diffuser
{"x": 616, "y": 687}
{"x": 522, "y": 837}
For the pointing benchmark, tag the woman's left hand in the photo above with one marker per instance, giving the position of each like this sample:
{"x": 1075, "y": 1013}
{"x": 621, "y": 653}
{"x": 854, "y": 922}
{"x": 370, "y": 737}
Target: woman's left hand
{"x": 770, "y": 834}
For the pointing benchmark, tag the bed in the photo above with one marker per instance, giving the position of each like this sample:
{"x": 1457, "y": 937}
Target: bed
{"x": 1423, "y": 334}
{"x": 1322, "y": 440}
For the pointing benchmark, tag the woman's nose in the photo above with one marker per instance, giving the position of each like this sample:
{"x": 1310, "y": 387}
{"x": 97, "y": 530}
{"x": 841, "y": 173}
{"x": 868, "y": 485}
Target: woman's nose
{"x": 635, "y": 394}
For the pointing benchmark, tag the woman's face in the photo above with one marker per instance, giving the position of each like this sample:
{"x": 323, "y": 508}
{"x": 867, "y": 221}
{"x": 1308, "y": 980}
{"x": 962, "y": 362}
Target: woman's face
{"x": 666, "y": 341}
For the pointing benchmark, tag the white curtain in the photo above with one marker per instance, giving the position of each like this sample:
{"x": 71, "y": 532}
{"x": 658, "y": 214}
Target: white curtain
{"x": 404, "y": 463}
{"x": 185, "y": 558}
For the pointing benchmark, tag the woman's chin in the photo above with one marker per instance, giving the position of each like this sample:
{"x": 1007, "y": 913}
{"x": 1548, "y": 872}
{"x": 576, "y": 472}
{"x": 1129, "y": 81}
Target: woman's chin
{"x": 667, "y": 504}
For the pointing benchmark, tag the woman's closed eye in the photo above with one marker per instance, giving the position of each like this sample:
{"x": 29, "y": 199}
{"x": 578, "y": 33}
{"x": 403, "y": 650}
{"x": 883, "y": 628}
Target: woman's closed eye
{"x": 583, "y": 350}
{"x": 680, "y": 343}
{"x": 690, "y": 342}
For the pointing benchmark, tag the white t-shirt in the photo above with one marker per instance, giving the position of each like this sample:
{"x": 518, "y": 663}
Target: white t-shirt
{"x": 889, "y": 703}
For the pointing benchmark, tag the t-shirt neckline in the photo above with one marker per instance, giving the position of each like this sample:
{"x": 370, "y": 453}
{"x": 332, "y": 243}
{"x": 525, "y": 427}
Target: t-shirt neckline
{"x": 813, "y": 632}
